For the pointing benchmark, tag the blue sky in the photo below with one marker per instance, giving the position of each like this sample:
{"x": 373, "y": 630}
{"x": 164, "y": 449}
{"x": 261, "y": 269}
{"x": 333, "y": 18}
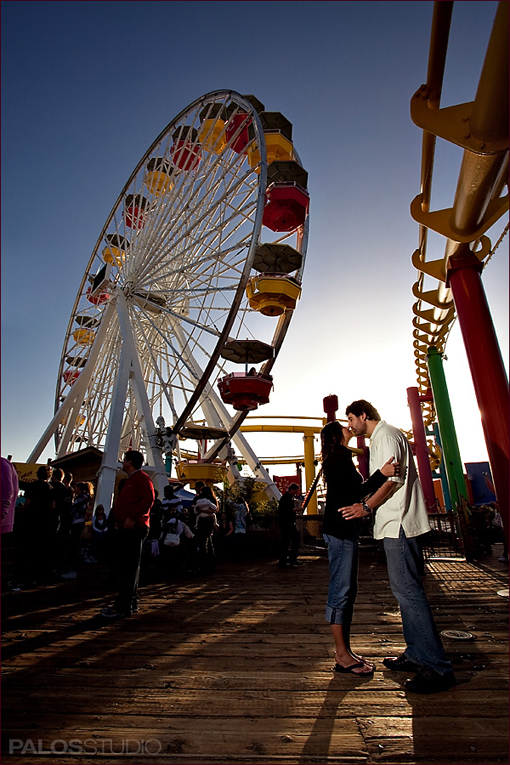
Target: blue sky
{"x": 87, "y": 87}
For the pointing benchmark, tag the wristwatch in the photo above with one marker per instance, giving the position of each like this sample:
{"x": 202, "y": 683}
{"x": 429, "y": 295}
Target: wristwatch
{"x": 367, "y": 508}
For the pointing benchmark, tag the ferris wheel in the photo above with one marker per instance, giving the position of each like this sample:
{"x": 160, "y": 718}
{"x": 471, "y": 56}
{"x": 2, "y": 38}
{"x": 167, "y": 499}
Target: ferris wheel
{"x": 169, "y": 308}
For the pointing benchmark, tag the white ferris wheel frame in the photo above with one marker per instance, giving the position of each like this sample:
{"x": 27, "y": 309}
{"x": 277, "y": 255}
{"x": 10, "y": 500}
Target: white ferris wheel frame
{"x": 129, "y": 372}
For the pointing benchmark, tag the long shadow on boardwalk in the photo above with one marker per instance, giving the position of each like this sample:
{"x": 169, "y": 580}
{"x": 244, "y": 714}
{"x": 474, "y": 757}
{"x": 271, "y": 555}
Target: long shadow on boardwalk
{"x": 237, "y": 668}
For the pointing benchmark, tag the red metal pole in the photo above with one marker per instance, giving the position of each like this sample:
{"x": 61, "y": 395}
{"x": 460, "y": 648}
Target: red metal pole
{"x": 421, "y": 448}
{"x": 363, "y": 458}
{"x": 487, "y": 368}
{"x": 330, "y": 406}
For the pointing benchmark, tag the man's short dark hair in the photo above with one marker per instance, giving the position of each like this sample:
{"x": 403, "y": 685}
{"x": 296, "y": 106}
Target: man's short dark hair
{"x": 57, "y": 474}
{"x": 293, "y": 486}
{"x": 44, "y": 473}
{"x": 135, "y": 458}
{"x": 357, "y": 408}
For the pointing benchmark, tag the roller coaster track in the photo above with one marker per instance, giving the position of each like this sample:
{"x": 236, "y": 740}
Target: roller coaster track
{"x": 480, "y": 129}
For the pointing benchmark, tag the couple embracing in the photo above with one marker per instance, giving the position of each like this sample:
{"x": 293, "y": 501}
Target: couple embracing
{"x": 393, "y": 495}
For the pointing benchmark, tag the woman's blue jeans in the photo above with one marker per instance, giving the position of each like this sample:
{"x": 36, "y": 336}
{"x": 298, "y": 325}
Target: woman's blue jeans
{"x": 405, "y": 564}
{"x": 343, "y": 581}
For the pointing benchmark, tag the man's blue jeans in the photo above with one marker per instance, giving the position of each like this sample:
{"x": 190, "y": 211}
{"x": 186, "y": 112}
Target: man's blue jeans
{"x": 424, "y": 646}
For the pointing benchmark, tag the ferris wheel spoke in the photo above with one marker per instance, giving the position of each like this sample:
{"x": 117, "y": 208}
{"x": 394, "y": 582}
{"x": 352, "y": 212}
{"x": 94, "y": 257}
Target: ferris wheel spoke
{"x": 166, "y": 341}
{"x": 211, "y": 181}
{"x": 186, "y": 320}
{"x": 202, "y": 252}
{"x": 198, "y": 268}
{"x": 78, "y": 390}
{"x": 190, "y": 220}
{"x": 98, "y": 394}
{"x": 225, "y": 216}
{"x": 197, "y": 291}
{"x": 194, "y": 217}
{"x": 243, "y": 213}
{"x": 218, "y": 235}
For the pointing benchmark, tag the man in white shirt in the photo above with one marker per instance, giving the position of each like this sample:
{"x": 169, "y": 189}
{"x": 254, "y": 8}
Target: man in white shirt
{"x": 400, "y": 520}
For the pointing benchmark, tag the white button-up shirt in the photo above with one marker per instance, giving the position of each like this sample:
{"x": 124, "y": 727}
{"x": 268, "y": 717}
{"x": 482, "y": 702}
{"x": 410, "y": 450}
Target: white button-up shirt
{"x": 406, "y": 507}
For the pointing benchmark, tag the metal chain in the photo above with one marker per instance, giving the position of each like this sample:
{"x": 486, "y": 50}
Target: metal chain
{"x": 491, "y": 253}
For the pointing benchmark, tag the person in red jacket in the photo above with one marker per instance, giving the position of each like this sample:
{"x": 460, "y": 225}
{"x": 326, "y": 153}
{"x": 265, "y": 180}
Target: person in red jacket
{"x": 130, "y": 521}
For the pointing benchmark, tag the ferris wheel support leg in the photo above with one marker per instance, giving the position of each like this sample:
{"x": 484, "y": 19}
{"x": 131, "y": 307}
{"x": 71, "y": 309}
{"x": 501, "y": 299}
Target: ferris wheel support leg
{"x": 110, "y": 464}
{"x": 50, "y": 431}
{"x": 214, "y": 411}
{"x": 155, "y": 459}
{"x": 217, "y": 416}
{"x": 75, "y": 395}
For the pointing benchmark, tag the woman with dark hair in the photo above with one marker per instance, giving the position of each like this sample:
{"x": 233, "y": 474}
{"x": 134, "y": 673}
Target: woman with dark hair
{"x": 344, "y": 486}
{"x": 81, "y": 511}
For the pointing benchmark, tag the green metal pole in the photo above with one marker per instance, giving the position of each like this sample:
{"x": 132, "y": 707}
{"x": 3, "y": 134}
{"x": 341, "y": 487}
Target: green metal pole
{"x": 442, "y": 471}
{"x": 451, "y": 453}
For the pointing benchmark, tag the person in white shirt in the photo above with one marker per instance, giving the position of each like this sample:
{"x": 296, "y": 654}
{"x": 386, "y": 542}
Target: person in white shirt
{"x": 400, "y": 520}
{"x": 170, "y": 502}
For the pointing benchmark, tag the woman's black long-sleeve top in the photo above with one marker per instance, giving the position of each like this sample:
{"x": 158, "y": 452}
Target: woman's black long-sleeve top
{"x": 345, "y": 486}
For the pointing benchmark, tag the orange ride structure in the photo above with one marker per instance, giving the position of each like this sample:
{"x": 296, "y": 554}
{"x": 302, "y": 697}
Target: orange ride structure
{"x": 451, "y": 287}
{"x": 187, "y": 297}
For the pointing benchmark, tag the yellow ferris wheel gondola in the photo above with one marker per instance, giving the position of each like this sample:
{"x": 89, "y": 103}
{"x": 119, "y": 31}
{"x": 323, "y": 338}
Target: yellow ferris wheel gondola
{"x": 208, "y": 472}
{"x": 115, "y": 251}
{"x": 158, "y": 178}
{"x": 278, "y": 137}
{"x": 214, "y": 120}
{"x": 273, "y": 292}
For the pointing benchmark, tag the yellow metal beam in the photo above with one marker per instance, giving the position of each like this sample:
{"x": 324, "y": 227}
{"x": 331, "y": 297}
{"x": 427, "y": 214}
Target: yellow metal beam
{"x": 308, "y": 429}
{"x": 310, "y": 470}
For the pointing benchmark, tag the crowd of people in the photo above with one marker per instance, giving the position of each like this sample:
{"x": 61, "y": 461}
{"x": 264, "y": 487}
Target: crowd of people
{"x": 56, "y": 531}
{"x": 52, "y": 527}
{"x": 187, "y": 538}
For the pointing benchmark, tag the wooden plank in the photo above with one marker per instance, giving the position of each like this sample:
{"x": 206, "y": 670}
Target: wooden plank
{"x": 23, "y": 681}
{"x": 257, "y": 740}
{"x": 237, "y": 668}
{"x": 260, "y": 702}
{"x": 438, "y": 736}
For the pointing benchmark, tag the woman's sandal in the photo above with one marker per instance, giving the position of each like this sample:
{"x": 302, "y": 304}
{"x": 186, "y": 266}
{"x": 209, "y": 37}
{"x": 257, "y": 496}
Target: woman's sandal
{"x": 360, "y": 659}
{"x": 351, "y": 670}
{"x": 365, "y": 661}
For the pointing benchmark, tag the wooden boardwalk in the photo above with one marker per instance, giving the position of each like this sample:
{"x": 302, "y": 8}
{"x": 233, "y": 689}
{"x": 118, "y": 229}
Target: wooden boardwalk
{"x": 236, "y": 668}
